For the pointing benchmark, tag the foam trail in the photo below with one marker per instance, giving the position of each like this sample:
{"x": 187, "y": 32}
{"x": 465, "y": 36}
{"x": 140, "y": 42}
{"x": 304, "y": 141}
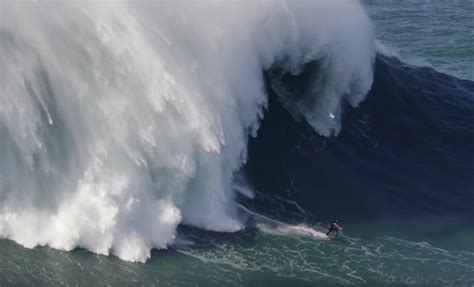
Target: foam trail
{"x": 272, "y": 226}
{"x": 121, "y": 120}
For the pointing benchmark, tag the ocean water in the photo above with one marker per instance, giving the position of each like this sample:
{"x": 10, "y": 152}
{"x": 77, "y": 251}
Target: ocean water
{"x": 210, "y": 144}
{"x": 428, "y": 32}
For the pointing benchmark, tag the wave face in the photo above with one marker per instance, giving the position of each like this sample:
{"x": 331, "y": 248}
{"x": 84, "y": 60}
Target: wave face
{"x": 405, "y": 154}
{"x": 119, "y": 121}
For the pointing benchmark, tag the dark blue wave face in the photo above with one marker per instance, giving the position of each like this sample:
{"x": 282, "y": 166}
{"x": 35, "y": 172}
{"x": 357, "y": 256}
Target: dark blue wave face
{"x": 405, "y": 154}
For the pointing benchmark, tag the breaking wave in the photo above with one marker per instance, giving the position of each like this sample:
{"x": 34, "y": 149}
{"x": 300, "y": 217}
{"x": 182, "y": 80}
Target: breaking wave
{"x": 121, "y": 120}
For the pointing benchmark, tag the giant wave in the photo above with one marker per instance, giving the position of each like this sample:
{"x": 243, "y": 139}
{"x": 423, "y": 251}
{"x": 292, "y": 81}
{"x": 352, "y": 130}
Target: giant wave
{"x": 121, "y": 120}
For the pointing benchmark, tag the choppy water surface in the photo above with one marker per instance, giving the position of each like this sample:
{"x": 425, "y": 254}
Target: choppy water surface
{"x": 436, "y": 32}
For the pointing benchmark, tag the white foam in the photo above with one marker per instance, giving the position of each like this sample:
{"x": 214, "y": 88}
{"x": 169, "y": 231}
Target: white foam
{"x": 121, "y": 120}
{"x": 292, "y": 230}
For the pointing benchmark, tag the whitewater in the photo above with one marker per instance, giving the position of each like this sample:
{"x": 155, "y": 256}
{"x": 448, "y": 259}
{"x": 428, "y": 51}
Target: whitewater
{"x": 120, "y": 121}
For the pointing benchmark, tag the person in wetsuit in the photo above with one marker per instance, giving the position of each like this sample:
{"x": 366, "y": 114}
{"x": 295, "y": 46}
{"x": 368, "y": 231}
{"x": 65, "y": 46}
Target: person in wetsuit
{"x": 334, "y": 228}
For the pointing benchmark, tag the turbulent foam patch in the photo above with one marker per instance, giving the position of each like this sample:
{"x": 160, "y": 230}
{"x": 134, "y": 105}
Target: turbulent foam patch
{"x": 120, "y": 121}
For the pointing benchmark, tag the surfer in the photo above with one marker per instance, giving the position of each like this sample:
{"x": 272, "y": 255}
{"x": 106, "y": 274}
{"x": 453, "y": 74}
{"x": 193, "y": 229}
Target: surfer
{"x": 334, "y": 227}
